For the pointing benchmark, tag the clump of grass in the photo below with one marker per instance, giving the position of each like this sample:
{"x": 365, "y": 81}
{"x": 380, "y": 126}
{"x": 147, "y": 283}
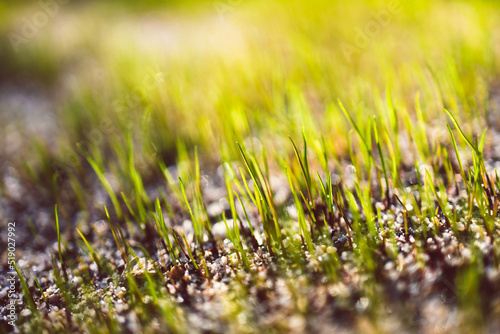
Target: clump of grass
{"x": 373, "y": 196}
{"x": 263, "y": 199}
{"x": 100, "y": 174}
{"x": 40, "y": 288}
{"x": 92, "y": 252}
{"x": 26, "y": 290}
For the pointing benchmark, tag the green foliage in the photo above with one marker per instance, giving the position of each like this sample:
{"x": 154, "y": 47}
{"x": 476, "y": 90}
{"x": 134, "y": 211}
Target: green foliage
{"x": 373, "y": 173}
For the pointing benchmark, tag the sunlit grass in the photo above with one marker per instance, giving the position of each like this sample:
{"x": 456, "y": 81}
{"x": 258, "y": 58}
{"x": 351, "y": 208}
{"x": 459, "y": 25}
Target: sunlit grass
{"x": 373, "y": 143}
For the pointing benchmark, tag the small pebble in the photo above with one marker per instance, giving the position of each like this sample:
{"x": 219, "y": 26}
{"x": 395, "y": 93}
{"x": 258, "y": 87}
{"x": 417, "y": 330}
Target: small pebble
{"x": 176, "y": 273}
{"x": 3, "y": 293}
{"x": 25, "y": 313}
{"x": 54, "y": 299}
{"x": 331, "y": 250}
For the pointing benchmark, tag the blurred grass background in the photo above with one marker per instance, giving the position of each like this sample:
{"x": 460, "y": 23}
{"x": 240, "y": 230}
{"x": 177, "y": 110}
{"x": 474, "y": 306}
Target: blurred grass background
{"x": 100, "y": 96}
{"x": 175, "y": 75}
